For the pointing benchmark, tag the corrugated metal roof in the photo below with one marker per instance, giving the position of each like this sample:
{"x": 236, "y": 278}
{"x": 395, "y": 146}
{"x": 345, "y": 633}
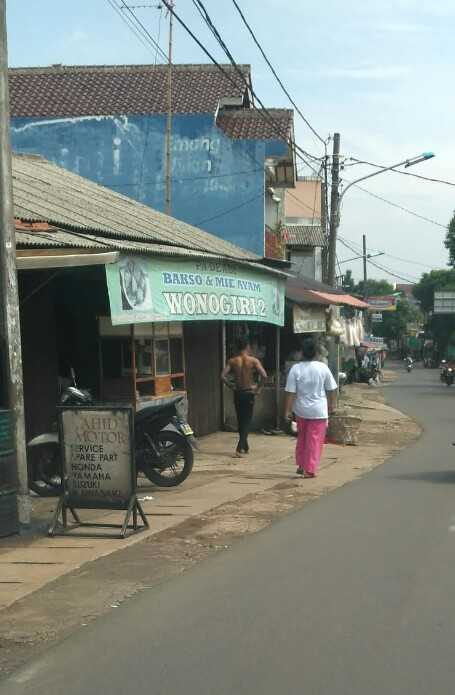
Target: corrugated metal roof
{"x": 304, "y": 235}
{"x": 95, "y": 90}
{"x": 62, "y": 238}
{"x": 46, "y": 192}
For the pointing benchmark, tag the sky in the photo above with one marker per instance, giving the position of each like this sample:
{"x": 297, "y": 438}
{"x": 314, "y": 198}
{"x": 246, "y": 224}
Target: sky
{"x": 378, "y": 72}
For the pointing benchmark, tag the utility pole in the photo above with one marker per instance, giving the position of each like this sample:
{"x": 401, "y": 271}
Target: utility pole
{"x": 365, "y": 279}
{"x": 10, "y": 333}
{"x": 334, "y": 210}
{"x": 168, "y": 164}
{"x": 325, "y": 218}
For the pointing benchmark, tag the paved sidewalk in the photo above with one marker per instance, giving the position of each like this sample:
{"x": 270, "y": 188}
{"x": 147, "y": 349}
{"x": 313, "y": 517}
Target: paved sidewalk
{"x": 30, "y": 561}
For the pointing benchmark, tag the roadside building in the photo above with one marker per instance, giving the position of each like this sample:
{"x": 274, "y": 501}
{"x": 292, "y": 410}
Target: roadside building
{"x": 174, "y": 284}
{"x": 108, "y": 123}
{"x": 304, "y": 230}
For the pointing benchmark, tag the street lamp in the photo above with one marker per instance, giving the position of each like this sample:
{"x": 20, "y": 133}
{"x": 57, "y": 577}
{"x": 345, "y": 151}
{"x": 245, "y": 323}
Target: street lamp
{"x": 355, "y": 258}
{"x": 406, "y": 163}
{"x": 335, "y": 218}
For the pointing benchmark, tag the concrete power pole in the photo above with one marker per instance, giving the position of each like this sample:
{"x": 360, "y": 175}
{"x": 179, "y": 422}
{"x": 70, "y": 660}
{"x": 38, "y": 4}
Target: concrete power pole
{"x": 10, "y": 333}
{"x": 168, "y": 164}
{"x": 334, "y": 210}
{"x": 365, "y": 279}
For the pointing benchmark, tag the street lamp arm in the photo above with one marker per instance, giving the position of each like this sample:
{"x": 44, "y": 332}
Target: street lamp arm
{"x": 406, "y": 163}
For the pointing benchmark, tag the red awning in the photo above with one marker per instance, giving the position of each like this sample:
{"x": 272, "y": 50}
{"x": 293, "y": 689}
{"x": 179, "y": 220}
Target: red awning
{"x": 345, "y": 299}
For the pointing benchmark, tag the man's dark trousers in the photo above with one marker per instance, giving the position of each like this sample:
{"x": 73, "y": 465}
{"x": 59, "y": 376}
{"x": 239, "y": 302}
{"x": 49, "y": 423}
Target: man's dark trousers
{"x": 244, "y": 405}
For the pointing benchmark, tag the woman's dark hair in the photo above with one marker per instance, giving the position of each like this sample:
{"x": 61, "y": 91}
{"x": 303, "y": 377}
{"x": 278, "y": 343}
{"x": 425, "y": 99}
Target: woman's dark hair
{"x": 309, "y": 349}
{"x": 242, "y": 344}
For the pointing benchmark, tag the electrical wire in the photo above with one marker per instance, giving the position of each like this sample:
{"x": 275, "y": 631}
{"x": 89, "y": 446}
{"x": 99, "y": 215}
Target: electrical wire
{"x": 138, "y": 28}
{"x": 296, "y": 149}
{"x": 396, "y": 258}
{"x": 159, "y": 34}
{"x": 226, "y": 212}
{"x": 185, "y": 178}
{"x": 146, "y": 32}
{"x": 253, "y": 36}
{"x": 129, "y": 24}
{"x": 377, "y": 265}
{"x": 399, "y": 207}
{"x": 404, "y": 173}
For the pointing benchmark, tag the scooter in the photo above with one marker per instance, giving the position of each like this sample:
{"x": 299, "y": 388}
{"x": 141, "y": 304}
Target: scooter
{"x": 409, "y": 364}
{"x": 449, "y": 376}
{"x": 442, "y": 370}
{"x": 163, "y": 441}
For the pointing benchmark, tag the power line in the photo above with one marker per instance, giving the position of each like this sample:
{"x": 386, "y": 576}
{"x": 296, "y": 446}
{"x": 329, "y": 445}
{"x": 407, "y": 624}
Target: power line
{"x": 208, "y": 177}
{"x": 410, "y": 280}
{"x": 404, "y": 173}
{"x": 138, "y": 27}
{"x": 400, "y": 207}
{"x": 376, "y": 264}
{"x": 146, "y": 31}
{"x": 398, "y": 258}
{"x": 226, "y": 212}
{"x": 296, "y": 149}
{"x": 129, "y": 24}
{"x": 159, "y": 33}
{"x": 313, "y": 130}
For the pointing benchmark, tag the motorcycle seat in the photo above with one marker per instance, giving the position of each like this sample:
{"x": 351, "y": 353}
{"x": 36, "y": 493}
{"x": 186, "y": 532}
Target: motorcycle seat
{"x": 146, "y": 409}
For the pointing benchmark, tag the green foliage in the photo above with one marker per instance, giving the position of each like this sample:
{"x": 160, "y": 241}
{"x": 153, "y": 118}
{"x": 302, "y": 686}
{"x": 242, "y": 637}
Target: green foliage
{"x": 376, "y": 288}
{"x": 450, "y": 240}
{"x": 394, "y": 323}
{"x": 429, "y": 282}
{"x": 348, "y": 282}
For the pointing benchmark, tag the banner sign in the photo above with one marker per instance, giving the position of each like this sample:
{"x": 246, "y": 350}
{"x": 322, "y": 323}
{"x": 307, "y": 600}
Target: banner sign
{"x": 98, "y": 456}
{"x": 148, "y": 289}
{"x": 376, "y": 318}
{"x": 310, "y": 319}
{"x": 386, "y": 303}
{"x": 444, "y": 302}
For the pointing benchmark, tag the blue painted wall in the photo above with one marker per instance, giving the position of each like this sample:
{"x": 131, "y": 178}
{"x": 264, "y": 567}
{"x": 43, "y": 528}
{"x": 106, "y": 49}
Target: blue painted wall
{"x": 218, "y": 183}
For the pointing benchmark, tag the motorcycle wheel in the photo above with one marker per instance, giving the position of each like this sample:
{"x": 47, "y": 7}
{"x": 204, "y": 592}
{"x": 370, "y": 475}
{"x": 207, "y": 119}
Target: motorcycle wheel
{"x": 44, "y": 470}
{"x": 177, "y": 456}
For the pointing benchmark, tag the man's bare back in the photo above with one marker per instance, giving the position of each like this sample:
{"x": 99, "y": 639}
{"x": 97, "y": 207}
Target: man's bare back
{"x": 244, "y": 368}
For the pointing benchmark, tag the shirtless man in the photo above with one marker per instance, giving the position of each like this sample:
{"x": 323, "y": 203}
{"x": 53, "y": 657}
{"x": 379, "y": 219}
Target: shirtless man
{"x": 243, "y": 368}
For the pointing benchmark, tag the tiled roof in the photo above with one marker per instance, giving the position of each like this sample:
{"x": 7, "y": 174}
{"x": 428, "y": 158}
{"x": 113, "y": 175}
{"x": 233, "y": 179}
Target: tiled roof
{"x": 44, "y": 192}
{"x": 256, "y": 124}
{"x": 304, "y": 235}
{"x": 67, "y": 91}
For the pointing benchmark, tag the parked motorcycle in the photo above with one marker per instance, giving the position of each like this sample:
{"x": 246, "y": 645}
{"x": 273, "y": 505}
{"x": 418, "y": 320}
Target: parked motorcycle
{"x": 163, "y": 442}
{"x": 442, "y": 370}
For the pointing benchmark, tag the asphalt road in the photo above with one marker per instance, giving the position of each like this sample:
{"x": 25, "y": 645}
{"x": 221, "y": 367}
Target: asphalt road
{"x": 353, "y": 595}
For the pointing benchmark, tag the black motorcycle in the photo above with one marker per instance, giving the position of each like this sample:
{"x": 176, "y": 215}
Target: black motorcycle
{"x": 449, "y": 376}
{"x": 163, "y": 442}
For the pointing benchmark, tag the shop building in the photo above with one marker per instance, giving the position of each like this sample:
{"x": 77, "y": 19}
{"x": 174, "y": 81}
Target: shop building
{"x": 135, "y": 301}
{"x": 108, "y": 124}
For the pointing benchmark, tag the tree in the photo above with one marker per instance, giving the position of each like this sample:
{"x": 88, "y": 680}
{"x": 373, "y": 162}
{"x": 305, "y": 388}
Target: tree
{"x": 449, "y": 241}
{"x": 376, "y": 288}
{"x": 433, "y": 281}
{"x": 395, "y": 323}
{"x": 348, "y": 282}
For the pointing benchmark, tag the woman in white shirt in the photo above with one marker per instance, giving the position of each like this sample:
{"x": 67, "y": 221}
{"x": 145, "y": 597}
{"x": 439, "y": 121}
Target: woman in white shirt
{"x": 311, "y": 396}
